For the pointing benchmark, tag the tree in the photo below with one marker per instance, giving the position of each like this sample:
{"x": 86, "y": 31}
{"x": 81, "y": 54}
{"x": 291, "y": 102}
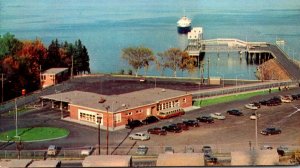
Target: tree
{"x": 172, "y": 59}
{"x": 54, "y": 55}
{"x": 138, "y": 57}
{"x": 9, "y": 45}
{"x": 188, "y": 63}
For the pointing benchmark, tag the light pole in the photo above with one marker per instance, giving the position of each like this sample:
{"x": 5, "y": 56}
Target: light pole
{"x": 99, "y": 123}
{"x": 107, "y": 132}
{"x": 2, "y": 88}
{"x": 16, "y": 107}
{"x": 256, "y": 136}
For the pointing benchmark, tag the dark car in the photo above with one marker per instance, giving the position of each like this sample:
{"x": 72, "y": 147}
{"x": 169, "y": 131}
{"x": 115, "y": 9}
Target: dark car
{"x": 296, "y": 97}
{"x": 270, "y": 131}
{"x": 209, "y": 158}
{"x": 192, "y": 123}
{"x": 183, "y": 126}
{"x": 235, "y": 112}
{"x": 206, "y": 119}
{"x": 150, "y": 119}
{"x": 263, "y": 102}
{"x": 172, "y": 128}
{"x": 134, "y": 123}
{"x": 157, "y": 131}
{"x": 256, "y": 104}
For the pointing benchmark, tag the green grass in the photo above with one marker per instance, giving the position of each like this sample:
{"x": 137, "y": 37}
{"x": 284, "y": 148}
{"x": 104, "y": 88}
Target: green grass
{"x": 224, "y": 99}
{"x": 34, "y": 134}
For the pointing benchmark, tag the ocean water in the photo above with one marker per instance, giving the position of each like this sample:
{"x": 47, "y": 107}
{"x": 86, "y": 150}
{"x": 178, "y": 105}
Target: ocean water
{"x": 105, "y": 27}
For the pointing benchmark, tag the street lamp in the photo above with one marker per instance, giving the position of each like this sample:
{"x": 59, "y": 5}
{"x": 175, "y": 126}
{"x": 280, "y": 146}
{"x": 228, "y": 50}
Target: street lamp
{"x": 256, "y": 136}
{"x": 107, "y": 132}
{"x": 99, "y": 123}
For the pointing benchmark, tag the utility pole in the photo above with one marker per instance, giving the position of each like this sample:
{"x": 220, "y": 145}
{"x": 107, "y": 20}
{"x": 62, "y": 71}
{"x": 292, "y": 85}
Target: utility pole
{"x": 2, "y": 88}
{"x": 16, "y": 117}
{"x": 256, "y": 136}
{"x": 99, "y": 123}
{"x": 107, "y": 132}
{"x": 208, "y": 71}
{"x": 72, "y": 68}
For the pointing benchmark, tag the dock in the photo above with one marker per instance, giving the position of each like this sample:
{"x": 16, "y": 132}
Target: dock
{"x": 197, "y": 47}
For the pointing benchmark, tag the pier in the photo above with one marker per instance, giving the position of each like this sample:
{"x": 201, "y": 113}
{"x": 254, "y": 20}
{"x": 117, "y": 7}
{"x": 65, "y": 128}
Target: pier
{"x": 254, "y": 51}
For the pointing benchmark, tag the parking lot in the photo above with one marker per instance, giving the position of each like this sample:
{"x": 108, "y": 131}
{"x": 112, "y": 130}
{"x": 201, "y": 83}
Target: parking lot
{"x": 233, "y": 133}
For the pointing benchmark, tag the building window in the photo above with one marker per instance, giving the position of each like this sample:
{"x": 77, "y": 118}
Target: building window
{"x": 118, "y": 118}
{"x": 184, "y": 100}
{"x": 129, "y": 113}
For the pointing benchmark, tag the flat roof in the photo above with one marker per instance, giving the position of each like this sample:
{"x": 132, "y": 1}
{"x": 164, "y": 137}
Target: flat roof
{"x": 19, "y": 162}
{"x": 116, "y": 102}
{"x": 53, "y": 71}
{"x": 180, "y": 159}
{"x": 107, "y": 161}
{"x": 44, "y": 163}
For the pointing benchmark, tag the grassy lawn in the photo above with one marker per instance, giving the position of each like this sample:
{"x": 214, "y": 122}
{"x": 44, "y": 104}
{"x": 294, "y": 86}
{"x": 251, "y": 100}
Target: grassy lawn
{"x": 223, "y": 99}
{"x": 35, "y": 134}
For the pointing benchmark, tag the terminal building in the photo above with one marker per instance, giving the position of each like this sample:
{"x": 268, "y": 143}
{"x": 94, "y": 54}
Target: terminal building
{"x": 115, "y": 111}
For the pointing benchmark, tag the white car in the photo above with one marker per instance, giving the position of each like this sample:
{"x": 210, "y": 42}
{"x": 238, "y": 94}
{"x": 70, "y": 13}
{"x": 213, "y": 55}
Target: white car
{"x": 218, "y": 116}
{"x": 87, "y": 150}
{"x": 286, "y": 99}
{"x": 139, "y": 136}
{"x": 254, "y": 117}
{"x": 251, "y": 106}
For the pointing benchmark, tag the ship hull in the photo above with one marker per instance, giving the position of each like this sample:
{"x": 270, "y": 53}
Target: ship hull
{"x": 184, "y": 30}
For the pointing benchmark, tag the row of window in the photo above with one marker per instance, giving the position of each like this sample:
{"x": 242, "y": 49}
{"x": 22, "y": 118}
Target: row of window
{"x": 137, "y": 111}
{"x": 43, "y": 77}
{"x": 167, "y": 105}
{"x": 87, "y": 117}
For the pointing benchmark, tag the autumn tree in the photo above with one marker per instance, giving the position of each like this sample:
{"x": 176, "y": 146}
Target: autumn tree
{"x": 188, "y": 63}
{"x": 138, "y": 57}
{"x": 172, "y": 59}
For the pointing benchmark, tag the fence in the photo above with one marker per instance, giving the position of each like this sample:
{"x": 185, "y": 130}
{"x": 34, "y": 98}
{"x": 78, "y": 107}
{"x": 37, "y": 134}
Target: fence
{"x": 31, "y": 97}
{"x": 241, "y": 88}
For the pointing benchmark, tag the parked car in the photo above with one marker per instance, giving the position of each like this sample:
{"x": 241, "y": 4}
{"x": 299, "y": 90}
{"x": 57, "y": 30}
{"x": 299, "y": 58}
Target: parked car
{"x": 251, "y": 106}
{"x": 157, "y": 131}
{"x": 142, "y": 150}
{"x": 134, "y": 123}
{"x": 266, "y": 147}
{"x": 139, "y": 136}
{"x": 296, "y": 96}
{"x": 254, "y": 116}
{"x": 206, "y": 149}
{"x": 192, "y": 123}
{"x": 286, "y": 99}
{"x": 52, "y": 150}
{"x": 283, "y": 150}
{"x": 206, "y": 119}
{"x": 142, "y": 80}
{"x": 183, "y": 126}
{"x": 87, "y": 150}
{"x": 218, "y": 116}
{"x": 150, "y": 119}
{"x": 169, "y": 150}
{"x": 235, "y": 112}
{"x": 189, "y": 149}
{"x": 172, "y": 128}
{"x": 209, "y": 158}
{"x": 270, "y": 131}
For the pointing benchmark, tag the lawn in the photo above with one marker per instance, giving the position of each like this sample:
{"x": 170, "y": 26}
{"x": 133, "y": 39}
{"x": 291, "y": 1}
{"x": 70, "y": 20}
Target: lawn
{"x": 223, "y": 99}
{"x": 35, "y": 134}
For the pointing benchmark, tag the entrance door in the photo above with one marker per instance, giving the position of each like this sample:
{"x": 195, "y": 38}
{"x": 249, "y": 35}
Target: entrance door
{"x": 148, "y": 111}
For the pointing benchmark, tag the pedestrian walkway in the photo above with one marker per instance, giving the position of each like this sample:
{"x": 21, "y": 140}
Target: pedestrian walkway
{"x": 192, "y": 108}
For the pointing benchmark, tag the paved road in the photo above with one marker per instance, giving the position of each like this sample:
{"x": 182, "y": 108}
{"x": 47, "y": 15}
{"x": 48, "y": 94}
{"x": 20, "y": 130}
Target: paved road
{"x": 292, "y": 69}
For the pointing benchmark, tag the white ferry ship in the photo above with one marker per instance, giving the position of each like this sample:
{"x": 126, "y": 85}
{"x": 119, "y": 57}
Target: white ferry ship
{"x": 184, "y": 25}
